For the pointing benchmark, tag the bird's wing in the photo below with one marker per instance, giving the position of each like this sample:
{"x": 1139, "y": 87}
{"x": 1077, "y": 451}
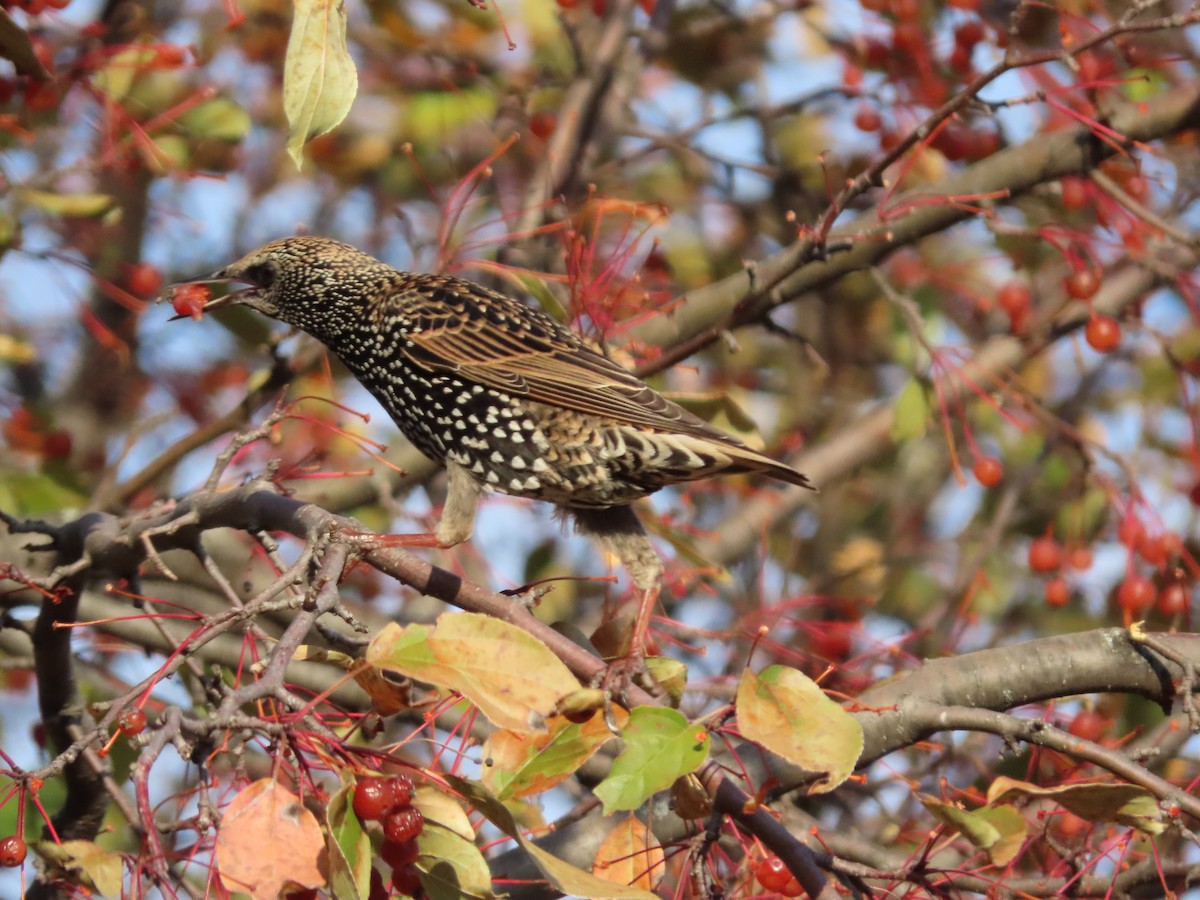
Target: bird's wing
{"x": 499, "y": 342}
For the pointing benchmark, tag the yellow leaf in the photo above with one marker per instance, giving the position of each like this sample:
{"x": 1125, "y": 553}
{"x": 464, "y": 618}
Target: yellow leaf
{"x": 1126, "y": 804}
{"x": 103, "y": 867}
{"x": 319, "y": 78}
{"x": 786, "y": 712}
{"x": 76, "y": 205}
{"x": 512, "y": 677}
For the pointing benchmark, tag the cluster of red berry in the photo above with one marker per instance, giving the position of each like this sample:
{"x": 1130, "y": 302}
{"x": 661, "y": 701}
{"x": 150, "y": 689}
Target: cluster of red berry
{"x": 389, "y": 802}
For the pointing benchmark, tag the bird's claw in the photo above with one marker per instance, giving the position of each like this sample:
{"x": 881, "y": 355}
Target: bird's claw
{"x": 630, "y": 671}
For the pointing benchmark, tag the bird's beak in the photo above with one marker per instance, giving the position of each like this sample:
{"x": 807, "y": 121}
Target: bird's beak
{"x": 219, "y": 277}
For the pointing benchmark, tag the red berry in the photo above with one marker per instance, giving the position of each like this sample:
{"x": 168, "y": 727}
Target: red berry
{"x": 1136, "y": 187}
{"x": 1103, "y": 334}
{"x": 909, "y": 38}
{"x": 12, "y": 851}
{"x": 542, "y": 123}
{"x": 8, "y": 89}
{"x": 169, "y": 56}
{"x": 1080, "y": 559}
{"x": 1088, "y": 725}
{"x": 772, "y": 874}
{"x": 399, "y": 855}
{"x": 403, "y": 825}
{"x": 1057, "y": 592}
{"x": 959, "y": 61}
{"x": 57, "y": 445}
{"x": 190, "y": 299}
{"x": 906, "y": 10}
{"x": 374, "y": 798}
{"x": 1156, "y": 549}
{"x": 988, "y": 471}
{"x": 1135, "y": 594}
{"x": 1075, "y": 192}
{"x": 969, "y": 33}
{"x": 43, "y": 51}
{"x": 1045, "y": 555}
{"x": 1131, "y": 532}
{"x": 144, "y": 279}
{"x": 1013, "y": 297}
{"x": 1194, "y": 494}
{"x": 132, "y": 721}
{"x": 1082, "y": 284}
{"x": 406, "y": 880}
{"x": 1173, "y": 599}
{"x": 866, "y": 117}
{"x": 41, "y": 96}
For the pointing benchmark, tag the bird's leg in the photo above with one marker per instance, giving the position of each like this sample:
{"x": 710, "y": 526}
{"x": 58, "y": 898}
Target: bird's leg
{"x": 618, "y": 531}
{"x": 455, "y": 526}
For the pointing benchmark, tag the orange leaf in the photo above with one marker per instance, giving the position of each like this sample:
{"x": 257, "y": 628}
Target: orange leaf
{"x": 268, "y": 841}
{"x": 630, "y": 854}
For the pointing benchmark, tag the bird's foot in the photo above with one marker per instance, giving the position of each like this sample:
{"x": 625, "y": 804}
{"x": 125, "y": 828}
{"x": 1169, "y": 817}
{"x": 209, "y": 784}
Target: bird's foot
{"x": 368, "y": 541}
{"x": 627, "y": 672}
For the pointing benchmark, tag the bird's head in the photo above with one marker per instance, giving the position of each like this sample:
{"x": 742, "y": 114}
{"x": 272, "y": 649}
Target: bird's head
{"x": 298, "y": 280}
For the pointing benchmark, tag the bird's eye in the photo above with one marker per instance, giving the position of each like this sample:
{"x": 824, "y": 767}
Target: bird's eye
{"x": 262, "y": 275}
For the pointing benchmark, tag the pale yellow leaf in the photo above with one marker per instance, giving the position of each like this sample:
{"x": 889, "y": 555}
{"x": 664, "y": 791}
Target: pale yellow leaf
{"x": 319, "y": 77}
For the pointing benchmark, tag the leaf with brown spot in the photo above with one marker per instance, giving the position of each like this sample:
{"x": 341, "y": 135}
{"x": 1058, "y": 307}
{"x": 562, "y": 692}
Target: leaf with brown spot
{"x": 268, "y": 841}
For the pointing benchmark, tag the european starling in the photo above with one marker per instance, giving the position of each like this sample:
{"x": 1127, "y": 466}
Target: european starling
{"x": 501, "y": 394}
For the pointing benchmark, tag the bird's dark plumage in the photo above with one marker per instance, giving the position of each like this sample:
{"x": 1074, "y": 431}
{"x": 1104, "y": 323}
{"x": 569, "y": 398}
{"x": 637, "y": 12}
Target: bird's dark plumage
{"x": 504, "y": 396}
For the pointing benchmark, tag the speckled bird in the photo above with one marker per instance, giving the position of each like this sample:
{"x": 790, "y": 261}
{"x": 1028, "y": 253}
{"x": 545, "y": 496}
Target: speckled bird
{"x": 499, "y": 393}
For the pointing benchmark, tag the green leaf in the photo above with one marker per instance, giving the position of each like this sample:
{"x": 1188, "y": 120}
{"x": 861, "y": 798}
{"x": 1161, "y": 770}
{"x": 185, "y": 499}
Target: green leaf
{"x": 451, "y": 866}
{"x": 219, "y": 118}
{"x": 512, "y": 677}
{"x": 911, "y": 414}
{"x": 524, "y": 764}
{"x": 37, "y": 494}
{"x": 348, "y": 846}
{"x": 122, "y": 69}
{"x": 432, "y": 117}
{"x": 998, "y": 830}
{"x": 787, "y": 712}
{"x": 561, "y": 874}
{"x": 76, "y": 205}
{"x": 319, "y": 78}
{"x": 660, "y": 746}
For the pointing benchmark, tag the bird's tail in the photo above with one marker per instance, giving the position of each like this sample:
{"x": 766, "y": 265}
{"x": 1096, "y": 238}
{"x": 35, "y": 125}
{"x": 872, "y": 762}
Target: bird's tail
{"x": 743, "y": 459}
